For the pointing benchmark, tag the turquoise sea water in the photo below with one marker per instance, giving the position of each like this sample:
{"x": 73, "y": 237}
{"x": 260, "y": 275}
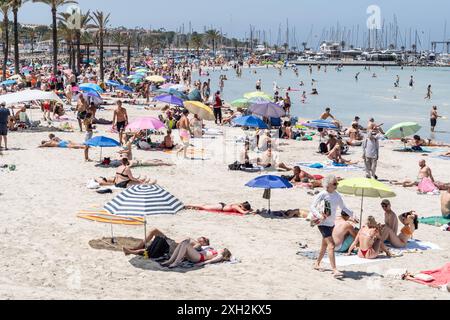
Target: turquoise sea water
{"x": 367, "y": 97}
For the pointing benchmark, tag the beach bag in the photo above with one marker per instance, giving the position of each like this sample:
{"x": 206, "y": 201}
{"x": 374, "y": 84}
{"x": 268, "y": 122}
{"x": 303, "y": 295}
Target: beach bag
{"x": 426, "y": 185}
{"x": 158, "y": 248}
{"x": 235, "y": 166}
{"x": 323, "y": 148}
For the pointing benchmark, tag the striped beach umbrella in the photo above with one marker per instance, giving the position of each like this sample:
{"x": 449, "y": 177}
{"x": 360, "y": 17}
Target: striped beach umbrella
{"x": 143, "y": 201}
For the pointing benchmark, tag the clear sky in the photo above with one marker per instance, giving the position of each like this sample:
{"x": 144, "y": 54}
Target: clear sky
{"x": 235, "y": 16}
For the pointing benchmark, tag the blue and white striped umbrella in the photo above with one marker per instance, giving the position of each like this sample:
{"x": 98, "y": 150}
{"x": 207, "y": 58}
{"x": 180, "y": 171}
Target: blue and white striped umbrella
{"x": 144, "y": 200}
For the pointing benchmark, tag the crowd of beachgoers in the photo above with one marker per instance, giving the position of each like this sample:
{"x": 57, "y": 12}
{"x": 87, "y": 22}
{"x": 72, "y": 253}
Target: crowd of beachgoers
{"x": 188, "y": 110}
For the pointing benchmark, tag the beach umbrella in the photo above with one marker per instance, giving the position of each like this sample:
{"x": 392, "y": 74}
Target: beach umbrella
{"x": 174, "y": 92}
{"x": 364, "y": 187}
{"x": 241, "y": 103}
{"x": 91, "y": 87}
{"x": 145, "y": 123}
{"x": 255, "y": 94}
{"x": 124, "y": 88}
{"x": 155, "y": 79}
{"x": 112, "y": 83}
{"x": 250, "y": 121}
{"x": 203, "y": 111}
{"x": 268, "y": 183}
{"x": 91, "y": 97}
{"x": 8, "y": 83}
{"x": 143, "y": 201}
{"x": 170, "y": 99}
{"x": 402, "y": 130}
{"x": 136, "y": 76}
{"x": 195, "y": 95}
{"x": 102, "y": 142}
{"x": 267, "y": 109}
{"x": 259, "y": 100}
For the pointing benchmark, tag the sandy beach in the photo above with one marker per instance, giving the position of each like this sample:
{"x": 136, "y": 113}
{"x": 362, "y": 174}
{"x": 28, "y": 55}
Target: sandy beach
{"x": 45, "y": 251}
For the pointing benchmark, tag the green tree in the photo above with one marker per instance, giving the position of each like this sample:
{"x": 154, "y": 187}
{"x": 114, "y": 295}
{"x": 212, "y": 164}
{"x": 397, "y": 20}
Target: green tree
{"x": 101, "y": 20}
{"x": 196, "y": 41}
{"x": 212, "y": 36}
{"x": 54, "y": 5}
{"x": 15, "y": 6}
{"x": 5, "y": 8}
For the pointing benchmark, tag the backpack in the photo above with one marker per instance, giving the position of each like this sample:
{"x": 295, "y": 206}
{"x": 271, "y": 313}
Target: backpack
{"x": 323, "y": 148}
{"x": 158, "y": 248}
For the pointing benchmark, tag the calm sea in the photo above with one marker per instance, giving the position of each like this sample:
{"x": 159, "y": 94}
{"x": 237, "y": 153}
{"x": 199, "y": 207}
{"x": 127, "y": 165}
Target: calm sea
{"x": 367, "y": 97}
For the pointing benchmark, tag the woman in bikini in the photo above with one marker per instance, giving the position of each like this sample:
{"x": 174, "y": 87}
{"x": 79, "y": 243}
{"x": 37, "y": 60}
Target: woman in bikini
{"x": 303, "y": 178}
{"x": 124, "y": 177}
{"x": 207, "y": 255}
{"x": 411, "y": 224}
{"x": 244, "y": 208}
{"x": 369, "y": 241}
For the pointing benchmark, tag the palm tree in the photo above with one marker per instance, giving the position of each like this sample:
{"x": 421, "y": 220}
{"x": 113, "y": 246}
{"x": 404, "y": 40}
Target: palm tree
{"x": 15, "y": 5}
{"x": 197, "y": 41}
{"x": 213, "y": 35}
{"x": 101, "y": 20}
{"x": 55, "y": 4}
{"x": 84, "y": 24}
{"x": 4, "y": 7}
{"x": 69, "y": 35}
{"x": 119, "y": 38}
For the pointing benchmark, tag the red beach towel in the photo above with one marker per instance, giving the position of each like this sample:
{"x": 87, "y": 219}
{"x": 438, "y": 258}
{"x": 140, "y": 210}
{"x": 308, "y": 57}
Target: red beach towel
{"x": 441, "y": 276}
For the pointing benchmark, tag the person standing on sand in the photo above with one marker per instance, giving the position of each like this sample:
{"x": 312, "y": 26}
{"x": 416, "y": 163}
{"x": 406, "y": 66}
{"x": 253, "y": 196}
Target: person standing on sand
{"x": 4, "y": 119}
{"x": 120, "y": 120}
{"x": 433, "y": 118}
{"x": 371, "y": 150}
{"x": 184, "y": 128}
{"x": 81, "y": 110}
{"x": 324, "y": 216}
{"x": 217, "y": 108}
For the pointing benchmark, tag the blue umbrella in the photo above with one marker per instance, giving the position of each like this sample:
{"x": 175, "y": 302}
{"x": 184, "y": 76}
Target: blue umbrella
{"x": 90, "y": 87}
{"x": 112, "y": 83}
{"x": 102, "y": 142}
{"x": 170, "y": 99}
{"x": 124, "y": 88}
{"x": 174, "y": 92}
{"x": 8, "y": 83}
{"x": 250, "y": 121}
{"x": 268, "y": 183}
{"x": 195, "y": 95}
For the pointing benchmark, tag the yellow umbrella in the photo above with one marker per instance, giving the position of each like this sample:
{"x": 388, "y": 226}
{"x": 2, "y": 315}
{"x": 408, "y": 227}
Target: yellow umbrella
{"x": 203, "y": 111}
{"x": 365, "y": 188}
{"x": 155, "y": 79}
{"x": 257, "y": 94}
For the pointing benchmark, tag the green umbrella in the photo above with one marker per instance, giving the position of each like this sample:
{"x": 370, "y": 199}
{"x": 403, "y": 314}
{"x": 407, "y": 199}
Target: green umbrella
{"x": 257, "y": 94}
{"x": 241, "y": 103}
{"x": 402, "y": 130}
{"x": 365, "y": 188}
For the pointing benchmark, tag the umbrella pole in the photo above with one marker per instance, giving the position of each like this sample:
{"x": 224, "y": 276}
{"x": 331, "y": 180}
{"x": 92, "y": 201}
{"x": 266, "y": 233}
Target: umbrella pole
{"x": 145, "y": 231}
{"x": 361, "y": 214}
{"x": 101, "y": 149}
{"x": 112, "y": 235}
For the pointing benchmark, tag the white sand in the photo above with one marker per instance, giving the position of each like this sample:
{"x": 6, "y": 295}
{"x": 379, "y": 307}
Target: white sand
{"x": 45, "y": 251}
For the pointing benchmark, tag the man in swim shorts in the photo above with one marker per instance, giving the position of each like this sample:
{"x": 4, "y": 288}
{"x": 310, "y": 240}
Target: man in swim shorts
{"x": 344, "y": 233}
{"x": 185, "y": 132}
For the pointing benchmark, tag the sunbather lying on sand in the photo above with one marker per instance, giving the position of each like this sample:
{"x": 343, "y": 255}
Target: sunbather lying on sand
{"x": 124, "y": 177}
{"x": 417, "y": 142}
{"x": 244, "y": 208}
{"x": 369, "y": 241}
{"x": 411, "y": 223}
{"x": 61, "y": 144}
{"x": 303, "y": 178}
{"x": 140, "y": 249}
{"x": 185, "y": 250}
{"x": 291, "y": 213}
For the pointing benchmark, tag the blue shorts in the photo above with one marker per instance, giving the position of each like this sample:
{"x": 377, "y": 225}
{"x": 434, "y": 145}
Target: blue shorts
{"x": 326, "y": 232}
{"x": 63, "y": 144}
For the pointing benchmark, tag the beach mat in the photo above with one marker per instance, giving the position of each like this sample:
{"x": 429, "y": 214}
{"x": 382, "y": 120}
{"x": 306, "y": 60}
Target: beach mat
{"x": 328, "y": 166}
{"x": 106, "y": 217}
{"x": 234, "y": 213}
{"x": 342, "y": 260}
{"x": 119, "y": 243}
{"x": 437, "y": 221}
{"x": 414, "y": 246}
{"x": 440, "y": 277}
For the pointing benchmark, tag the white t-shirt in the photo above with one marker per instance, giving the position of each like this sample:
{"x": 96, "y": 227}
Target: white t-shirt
{"x": 335, "y": 201}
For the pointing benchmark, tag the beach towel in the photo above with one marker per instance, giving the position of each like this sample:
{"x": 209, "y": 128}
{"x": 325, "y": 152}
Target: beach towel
{"x": 254, "y": 169}
{"x": 437, "y": 221}
{"x": 342, "y": 260}
{"x": 442, "y": 157}
{"x": 414, "y": 246}
{"x": 438, "y": 277}
{"x": 232, "y": 213}
{"x": 427, "y": 185}
{"x": 328, "y": 166}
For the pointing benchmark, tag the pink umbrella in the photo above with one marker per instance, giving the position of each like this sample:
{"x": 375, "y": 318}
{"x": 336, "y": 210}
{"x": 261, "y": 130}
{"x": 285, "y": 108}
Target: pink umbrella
{"x": 146, "y": 123}
{"x": 75, "y": 89}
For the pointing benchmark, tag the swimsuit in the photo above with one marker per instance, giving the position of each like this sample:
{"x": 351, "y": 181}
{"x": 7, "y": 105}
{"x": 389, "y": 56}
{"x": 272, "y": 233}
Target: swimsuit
{"x": 63, "y": 144}
{"x": 125, "y": 183}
